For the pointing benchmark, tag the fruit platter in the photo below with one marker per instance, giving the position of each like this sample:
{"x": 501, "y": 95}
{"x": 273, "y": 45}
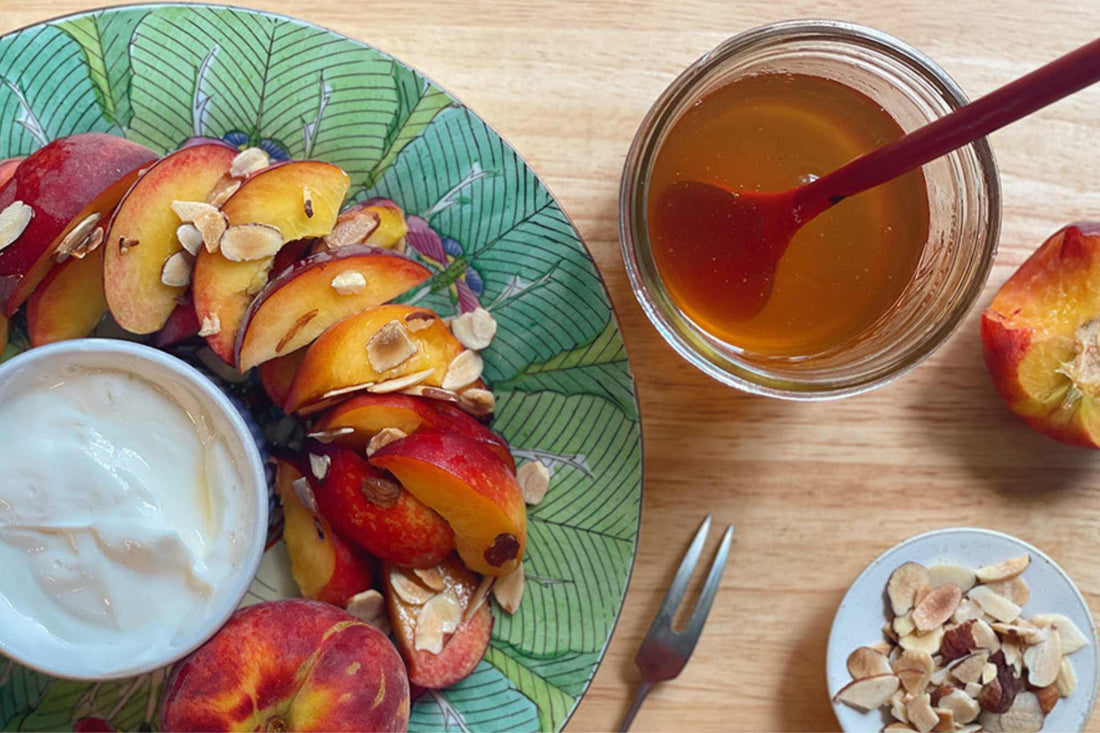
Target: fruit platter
{"x": 410, "y": 329}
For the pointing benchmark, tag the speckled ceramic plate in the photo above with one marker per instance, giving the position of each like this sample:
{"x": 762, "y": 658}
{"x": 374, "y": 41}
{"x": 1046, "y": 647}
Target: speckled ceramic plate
{"x": 160, "y": 74}
{"x": 862, "y": 613}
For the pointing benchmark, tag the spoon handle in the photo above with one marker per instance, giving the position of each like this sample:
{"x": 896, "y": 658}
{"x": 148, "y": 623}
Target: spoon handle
{"x": 1060, "y": 78}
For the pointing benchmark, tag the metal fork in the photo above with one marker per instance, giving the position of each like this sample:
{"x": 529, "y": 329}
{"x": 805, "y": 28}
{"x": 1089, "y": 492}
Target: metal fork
{"x": 664, "y": 652}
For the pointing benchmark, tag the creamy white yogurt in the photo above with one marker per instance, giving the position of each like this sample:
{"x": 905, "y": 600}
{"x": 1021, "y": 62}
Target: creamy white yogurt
{"x": 124, "y": 512}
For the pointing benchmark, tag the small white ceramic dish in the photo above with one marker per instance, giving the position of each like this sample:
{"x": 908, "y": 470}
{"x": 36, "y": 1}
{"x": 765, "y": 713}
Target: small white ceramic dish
{"x": 862, "y": 613}
{"x": 32, "y": 644}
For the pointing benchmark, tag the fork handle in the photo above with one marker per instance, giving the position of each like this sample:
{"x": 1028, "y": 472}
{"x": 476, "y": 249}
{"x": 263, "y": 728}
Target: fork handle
{"x": 639, "y": 697}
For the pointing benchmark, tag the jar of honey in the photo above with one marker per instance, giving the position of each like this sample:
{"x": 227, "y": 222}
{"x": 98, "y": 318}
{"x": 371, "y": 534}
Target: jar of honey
{"x": 867, "y": 289}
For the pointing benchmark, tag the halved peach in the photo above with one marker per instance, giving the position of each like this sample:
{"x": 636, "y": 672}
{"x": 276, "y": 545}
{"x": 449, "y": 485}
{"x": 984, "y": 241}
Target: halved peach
{"x": 69, "y": 303}
{"x": 72, "y": 182}
{"x": 297, "y": 305}
{"x": 142, "y": 234}
{"x": 182, "y": 324}
{"x": 367, "y": 414}
{"x": 1041, "y": 337}
{"x": 276, "y": 196}
{"x": 471, "y": 488}
{"x": 373, "y": 511}
{"x": 462, "y": 649}
{"x": 340, "y": 359}
{"x": 325, "y": 567}
{"x": 277, "y": 374}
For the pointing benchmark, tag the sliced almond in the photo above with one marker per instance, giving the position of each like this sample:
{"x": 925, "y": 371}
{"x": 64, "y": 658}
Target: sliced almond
{"x": 428, "y": 634}
{"x": 212, "y": 226}
{"x": 327, "y": 436}
{"x": 889, "y": 633}
{"x": 176, "y": 272}
{"x": 477, "y": 600}
{"x": 897, "y": 708}
{"x": 211, "y": 325}
{"x": 1020, "y": 631}
{"x": 958, "y": 641}
{"x": 352, "y": 227}
{"x": 1014, "y": 589}
{"x": 408, "y": 589}
{"x": 319, "y": 465}
{"x": 464, "y": 370}
{"x": 420, "y": 320}
{"x": 1072, "y": 638}
{"x": 304, "y": 492}
{"x": 995, "y": 605}
{"x": 1025, "y": 715}
{"x": 969, "y": 669}
{"x": 903, "y": 625}
{"x": 190, "y": 211}
{"x": 223, "y": 190}
{"x": 431, "y": 577}
{"x": 1048, "y": 698}
{"x": 1003, "y": 570}
{"x": 307, "y": 202}
{"x": 370, "y": 606}
{"x": 971, "y": 728}
{"x": 921, "y": 715}
{"x": 382, "y": 438}
{"x": 868, "y": 694}
{"x": 882, "y": 647}
{"x": 1012, "y": 652}
{"x": 936, "y": 607}
{"x": 346, "y": 390}
{"x": 401, "y": 384}
{"x": 474, "y": 330}
{"x": 904, "y": 584}
{"x": 248, "y": 161}
{"x": 990, "y": 722}
{"x": 1044, "y": 660}
{"x": 533, "y": 478}
{"x": 989, "y": 673}
{"x": 927, "y": 642}
{"x": 973, "y": 689}
{"x": 941, "y": 575}
{"x": 1067, "y": 678}
{"x": 476, "y": 401}
{"x": 390, "y": 347}
{"x": 866, "y": 662}
{"x": 14, "y": 220}
{"x": 90, "y": 244}
{"x": 897, "y": 727}
{"x": 508, "y": 590}
{"x": 984, "y": 636}
{"x": 913, "y": 668}
{"x": 349, "y": 283}
{"x": 190, "y": 238}
{"x": 249, "y": 242}
{"x": 946, "y": 722}
{"x": 76, "y": 237}
{"x": 966, "y": 611}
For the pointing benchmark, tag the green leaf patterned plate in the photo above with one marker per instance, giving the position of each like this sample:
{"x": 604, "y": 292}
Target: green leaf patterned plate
{"x": 493, "y": 235}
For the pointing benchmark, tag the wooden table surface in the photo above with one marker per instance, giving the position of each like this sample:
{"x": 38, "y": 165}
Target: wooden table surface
{"x": 816, "y": 490}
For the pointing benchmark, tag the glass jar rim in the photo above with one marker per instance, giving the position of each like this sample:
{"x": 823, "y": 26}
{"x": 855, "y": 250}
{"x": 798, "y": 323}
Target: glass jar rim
{"x": 634, "y": 239}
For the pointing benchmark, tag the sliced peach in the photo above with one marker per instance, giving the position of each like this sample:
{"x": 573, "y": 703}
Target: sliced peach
{"x": 182, "y": 324}
{"x": 66, "y": 183}
{"x": 471, "y": 488}
{"x": 7, "y": 169}
{"x": 142, "y": 234}
{"x": 340, "y": 360}
{"x": 69, "y": 303}
{"x": 277, "y": 374}
{"x": 367, "y": 414}
{"x": 374, "y": 512}
{"x": 325, "y": 567}
{"x": 274, "y": 196}
{"x": 297, "y": 305}
{"x": 462, "y": 648}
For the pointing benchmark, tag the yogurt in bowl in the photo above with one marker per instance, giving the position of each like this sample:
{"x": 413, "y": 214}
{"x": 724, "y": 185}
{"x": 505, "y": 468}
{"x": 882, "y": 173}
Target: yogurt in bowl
{"x": 133, "y": 509}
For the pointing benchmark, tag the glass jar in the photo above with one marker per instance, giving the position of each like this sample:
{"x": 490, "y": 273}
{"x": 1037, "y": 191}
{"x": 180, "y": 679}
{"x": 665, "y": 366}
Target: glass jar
{"x": 964, "y": 199}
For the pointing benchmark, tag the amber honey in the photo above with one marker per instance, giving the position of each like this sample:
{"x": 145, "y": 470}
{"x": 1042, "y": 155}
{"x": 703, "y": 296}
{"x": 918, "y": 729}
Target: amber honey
{"x": 844, "y": 269}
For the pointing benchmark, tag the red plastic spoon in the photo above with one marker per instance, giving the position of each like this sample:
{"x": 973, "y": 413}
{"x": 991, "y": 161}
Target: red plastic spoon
{"x": 753, "y": 229}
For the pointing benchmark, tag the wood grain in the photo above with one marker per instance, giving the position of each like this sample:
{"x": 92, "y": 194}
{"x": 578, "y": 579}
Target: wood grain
{"x": 814, "y": 489}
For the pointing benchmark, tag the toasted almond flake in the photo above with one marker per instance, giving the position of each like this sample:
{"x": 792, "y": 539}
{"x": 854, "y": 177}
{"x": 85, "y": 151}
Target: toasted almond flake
{"x": 866, "y": 662}
{"x": 349, "y": 283}
{"x": 1003, "y": 570}
{"x": 889, "y": 633}
{"x": 927, "y": 642}
{"x": 211, "y": 325}
{"x": 913, "y": 668}
{"x": 327, "y": 436}
{"x": 176, "y": 272}
{"x": 211, "y": 226}
{"x": 904, "y": 584}
{"x": 508, "y": 590}
{"x": 223, "y": 190}
{"x": 966, "y": 611}
{"x": 382, "y": 438}
{"x": 474, "y": 330}
{"x": 428, "y": 634}
{"x": 447, "y": 607}
{"x": 1044, "y": 660}
{"x": 903, "y": 625}
{"x": 868, "y": 694}
{"x": 190, "y": 238}
{"x": 346, "y": 390}
{"x": 1012, "y": 652}
{"x": 352, "y": 227}
{"x": 76, "y": 237}
{"x": 1025, "y": 715}
{"x": 432, "y": 393}
{"x": 897, "y": 727}
{"x": 921, "y": 715}
{"x": 90, "y": 244}
{"x": 1014, "y": 589}
{"x": 936, "y": 607}
{"x": 1067, "y": 678}
{"x": 972, "y": 728}
{"x": 14, "y": 220}
{"x": 973, "y": 689}
{"x": 476, "y": 401}
{"x": 946, "y": 723}
{"x": 305, "y": 493}
{"x": 430, "y": 577}
{"x": 941, "y": 575}
{"x": 370, "y": 606}
{"x": 319, "y": 465}
{"x": 189, "y": 211}
{"x": 897, "y": 708}
{"x": 969, "y": 669}
{"x": 307, "y": 202}
{"x": 995, "y": 605}
{"x": 533, "y": 478}
{"x": 989, "y": 673}
{"x": 464, "y": 370}
{"x": 390, "y": 347}
{"x": 400, "y": 384}
{"x": 420, "y": 320}
{"x": 249, "y": 242}
{"x": 1020, "y": 631}
{"x": 984, "y": 636}
{"x": 248, "y": 161}
{"x": 477, "y": 600}
{"x": 882, "y": 647}
{"x": 1072, "y": 638}
{"x": 1048, "y": 698}
{"x": 408, "y": 589}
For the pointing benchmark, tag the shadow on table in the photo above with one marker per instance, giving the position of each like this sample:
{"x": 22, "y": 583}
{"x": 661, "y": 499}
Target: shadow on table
{"x": 804, "y": 677}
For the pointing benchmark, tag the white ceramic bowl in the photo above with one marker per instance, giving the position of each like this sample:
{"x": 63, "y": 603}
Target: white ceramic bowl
{"x": 32, "y": 644}
{"x": 862, "y": 613}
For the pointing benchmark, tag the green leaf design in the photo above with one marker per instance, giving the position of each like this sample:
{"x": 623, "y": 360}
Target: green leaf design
{"x": 105, "y": 39}
{"x": 485, "y": 701}
{"x": 599, "y": 368}
{"x": 418, "y": 102}
{"x": 45, "y": 90}
{"x": 207, "y": 71}
{"x": 129, "y": 704}
{"x": 554, "y": 703}
{"x": 20, "y": 691}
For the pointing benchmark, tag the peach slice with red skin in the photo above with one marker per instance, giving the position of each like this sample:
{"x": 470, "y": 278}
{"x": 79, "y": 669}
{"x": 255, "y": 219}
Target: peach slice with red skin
{"x": 277, "y": 374}
{"x": 371, "y": 510}
{"x": 338, "y": 359}
{"x": 69, "y": 303}
{"x": 325, "y": 567}
{"x": 462, "y": 649}
{"x": 471, "y": 488}
{"x": 181, "y": 325}
{"x": 94, "y": 171}
{"x": 295, "y": 665}
{"x": 137, "y": 298}
{"x": 274, "y": 196}
{"x": 1041, "y": 337}
{"x": 367, "y": 414}
{"x": 297, "y": 305}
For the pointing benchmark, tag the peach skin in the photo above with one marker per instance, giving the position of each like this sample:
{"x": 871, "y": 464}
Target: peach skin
{"x": 471, "y": 488}
{"x": 277, "y": 374}
{"x": 69, "y": 303}
{"x": 7, "y": 169}
{"x": 182, "y": 324}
